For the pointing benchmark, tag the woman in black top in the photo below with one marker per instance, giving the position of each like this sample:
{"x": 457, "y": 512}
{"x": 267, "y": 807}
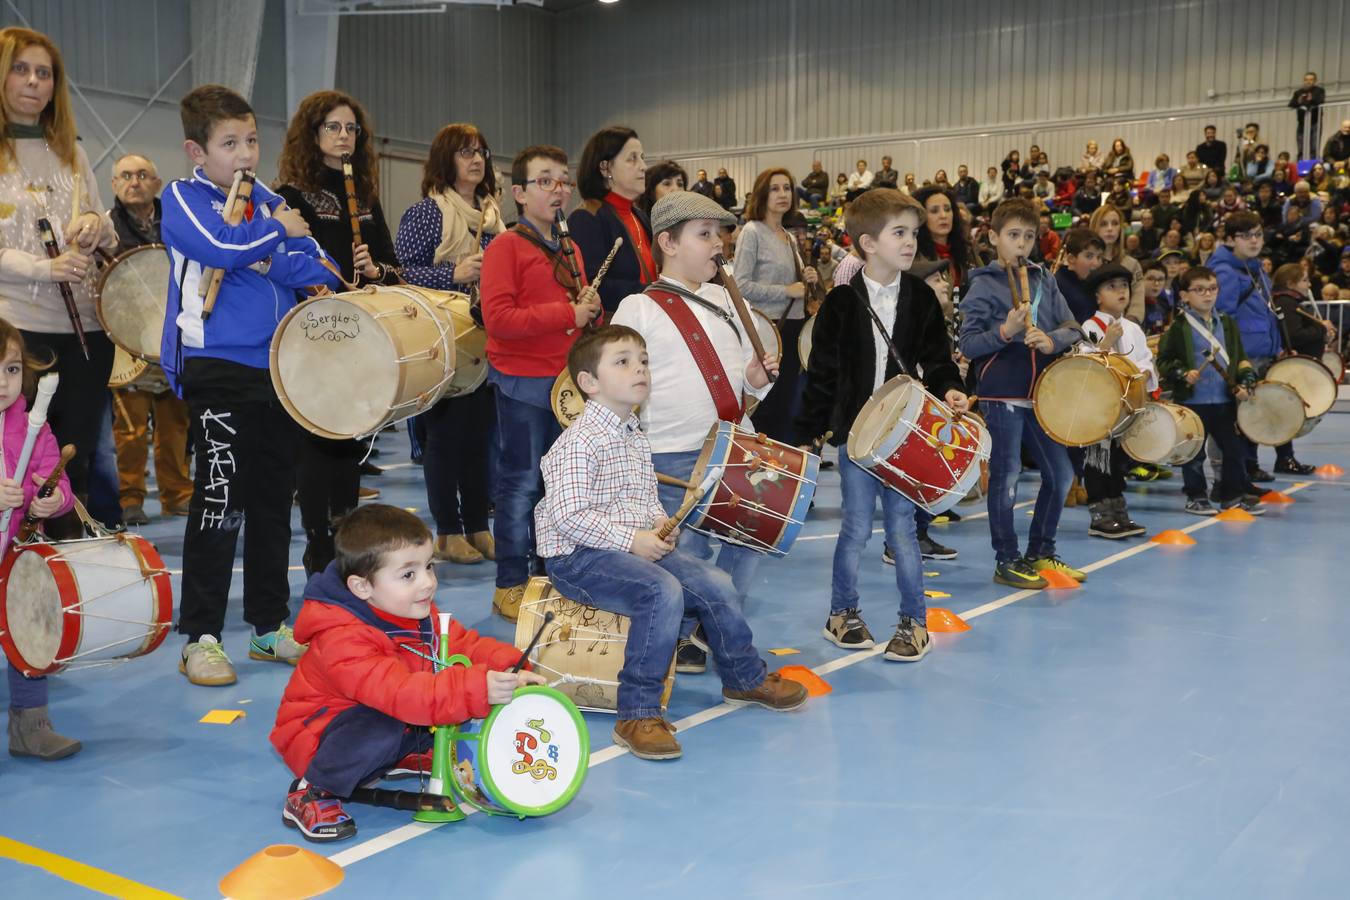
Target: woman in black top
{"x": 327, "y": 125}
{"x": 611, "y": 177}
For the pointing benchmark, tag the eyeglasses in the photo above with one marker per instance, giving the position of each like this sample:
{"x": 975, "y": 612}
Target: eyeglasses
{"x": 333, "y": 129}
{"x": 1250, "y": 235}
{"x": 471, "y": 152}
{"x": 549, "y": 184}
{"x": 1211, "y": 291}
{"x": 140, "y": 175}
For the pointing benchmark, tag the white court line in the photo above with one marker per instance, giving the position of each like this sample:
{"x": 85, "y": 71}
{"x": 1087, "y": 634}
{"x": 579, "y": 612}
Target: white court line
{"x": 405, "y": 833}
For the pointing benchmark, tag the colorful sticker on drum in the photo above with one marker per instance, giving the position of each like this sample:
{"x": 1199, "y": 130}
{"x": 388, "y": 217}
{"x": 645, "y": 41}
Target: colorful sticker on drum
{"x": 949, "y": 436}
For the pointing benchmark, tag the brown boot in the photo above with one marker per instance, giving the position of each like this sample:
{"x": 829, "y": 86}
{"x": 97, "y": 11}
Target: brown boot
{"x": 482, "y": 542}
{"x": 506, "y": 601}
{"x": 456, "y": 548}
{"x": 776, "y": 693}
{"x": 31, "y": 734}
{"x": 648, "y": 738}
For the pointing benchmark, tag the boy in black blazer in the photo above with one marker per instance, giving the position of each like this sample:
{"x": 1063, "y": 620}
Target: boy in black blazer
{"x": 851, "y": 357}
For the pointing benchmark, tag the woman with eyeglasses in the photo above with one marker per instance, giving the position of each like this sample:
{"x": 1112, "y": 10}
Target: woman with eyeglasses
{"x": 327, "y": 125}
{"x": 440, "y": 242}
{"x": 611, "y": 177}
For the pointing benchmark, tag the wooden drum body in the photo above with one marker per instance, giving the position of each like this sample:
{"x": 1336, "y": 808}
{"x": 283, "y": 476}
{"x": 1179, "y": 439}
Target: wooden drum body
{"x": 1164, "y": 434}
{"x": 1085, "y": 398}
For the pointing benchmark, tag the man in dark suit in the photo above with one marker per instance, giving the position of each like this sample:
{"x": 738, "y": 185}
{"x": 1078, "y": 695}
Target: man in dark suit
{"x": 1212, "y": 151}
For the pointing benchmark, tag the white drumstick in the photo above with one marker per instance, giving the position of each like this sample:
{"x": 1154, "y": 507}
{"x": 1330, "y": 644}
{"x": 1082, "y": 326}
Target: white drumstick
{"x": 37, "y": 417}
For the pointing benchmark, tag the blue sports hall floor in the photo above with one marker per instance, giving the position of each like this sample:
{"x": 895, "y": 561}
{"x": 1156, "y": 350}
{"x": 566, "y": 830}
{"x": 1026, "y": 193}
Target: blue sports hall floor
{"x": 1175, "y": 728}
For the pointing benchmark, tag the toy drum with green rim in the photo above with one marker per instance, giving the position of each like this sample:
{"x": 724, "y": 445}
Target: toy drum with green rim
{"x": 527, "y": 758}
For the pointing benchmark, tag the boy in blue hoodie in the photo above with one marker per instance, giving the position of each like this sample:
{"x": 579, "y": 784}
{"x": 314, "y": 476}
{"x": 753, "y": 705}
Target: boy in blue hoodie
{"x": 245, "y": 442}
{"x": 1244, "y": 295}
{"x": 1008, "y": 349}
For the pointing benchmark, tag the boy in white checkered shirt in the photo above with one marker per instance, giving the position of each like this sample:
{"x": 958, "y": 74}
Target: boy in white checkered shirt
{"x": 598, "y": 531}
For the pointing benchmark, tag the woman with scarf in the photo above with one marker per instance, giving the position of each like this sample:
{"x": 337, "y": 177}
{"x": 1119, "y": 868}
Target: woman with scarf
{"x": 611, "y": 177}
{"x": 440, "y": 244}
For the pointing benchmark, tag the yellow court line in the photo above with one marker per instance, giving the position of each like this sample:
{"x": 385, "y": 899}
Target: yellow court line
{"x": 79, "y": 873}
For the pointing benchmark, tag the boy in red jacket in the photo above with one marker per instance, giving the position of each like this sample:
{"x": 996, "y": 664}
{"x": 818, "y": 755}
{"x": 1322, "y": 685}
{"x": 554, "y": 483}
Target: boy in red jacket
{"x": 359, "y": 702}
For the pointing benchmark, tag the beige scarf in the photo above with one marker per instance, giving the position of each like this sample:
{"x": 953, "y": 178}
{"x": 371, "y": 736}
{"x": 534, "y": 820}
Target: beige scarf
{"x": 458, "y": 220}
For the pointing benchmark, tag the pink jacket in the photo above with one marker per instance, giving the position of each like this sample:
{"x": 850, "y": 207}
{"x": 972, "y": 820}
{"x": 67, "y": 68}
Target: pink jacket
{"x": 46, "y": 454}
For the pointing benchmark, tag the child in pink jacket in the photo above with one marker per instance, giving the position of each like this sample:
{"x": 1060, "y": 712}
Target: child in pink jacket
{"x": 30, "y": 729}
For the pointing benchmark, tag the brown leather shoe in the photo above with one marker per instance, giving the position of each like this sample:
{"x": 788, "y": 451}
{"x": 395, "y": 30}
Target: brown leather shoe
{"x": 506, "y": 601}
{"x": 776, "y": 693}
{"x": 456, "y": 548}
{"x": 648, "y": 738}
{"x": 482, "y": 542}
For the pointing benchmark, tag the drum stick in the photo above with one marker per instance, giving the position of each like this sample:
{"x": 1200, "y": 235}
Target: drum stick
{"x": 37, "y": 417}
{"x": 30, "y": 521}
{"x": 68, "y": 298}
{"x": 409, "y": 801}
{"x": 742, "y": 310}
{"x": 714, "y": 476}
{"x": 353, "y": 209}
{"x": 121, "y": 408}
{"x": 604, "y": 266}
{"x": 235, "y": 205}
{"x": 674, "y": 482}
{"x": 525, "y": 657}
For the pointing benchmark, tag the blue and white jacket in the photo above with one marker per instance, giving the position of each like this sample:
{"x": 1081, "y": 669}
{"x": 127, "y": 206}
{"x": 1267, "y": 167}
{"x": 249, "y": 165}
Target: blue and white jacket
{"x": 263, "y": 271}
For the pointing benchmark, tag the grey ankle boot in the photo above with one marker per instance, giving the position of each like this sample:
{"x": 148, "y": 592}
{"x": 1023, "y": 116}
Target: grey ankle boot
{"x": 1128, "y": 527}
{"x": 31, "y": 734}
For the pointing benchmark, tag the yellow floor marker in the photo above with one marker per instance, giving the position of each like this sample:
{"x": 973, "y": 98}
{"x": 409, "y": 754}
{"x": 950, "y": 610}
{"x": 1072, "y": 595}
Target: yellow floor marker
{"x": 222, "y": 717}
{"x": 78, "y": 873}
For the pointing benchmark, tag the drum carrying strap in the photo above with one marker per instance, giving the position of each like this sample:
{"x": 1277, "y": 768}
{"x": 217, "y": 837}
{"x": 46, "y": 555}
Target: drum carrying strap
{"x": 1214, "y": 343}
{"x": 701, "y": 348}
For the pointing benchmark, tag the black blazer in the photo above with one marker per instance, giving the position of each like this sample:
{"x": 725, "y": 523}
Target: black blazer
{"x": 842, "y": 366}
{"x": 594, "y": 226}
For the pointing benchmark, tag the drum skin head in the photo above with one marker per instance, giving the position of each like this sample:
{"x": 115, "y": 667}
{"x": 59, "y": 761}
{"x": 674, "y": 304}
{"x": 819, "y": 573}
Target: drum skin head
{"x": 324, "y": 349}
{"x": 875, "y": 432}
{"x": 1310, "y": 378}
{"x": 33, "y": 610}
{"x": 131, "y": 299}
{"x": 1082, "y": 399}
{"x": 1272, "y": 416}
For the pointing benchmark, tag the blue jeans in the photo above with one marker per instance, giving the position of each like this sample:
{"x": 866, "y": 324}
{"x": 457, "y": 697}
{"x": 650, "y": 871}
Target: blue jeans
{"x": 25, "y": 692}
{"x": 524, "y": 434}
{"x": 1009, "y": 428}
{"x": 860, "y": 492}
{"x": 741, "y": 563}
{"x": 105, "y": 502}
{"x": 655, "y": 596}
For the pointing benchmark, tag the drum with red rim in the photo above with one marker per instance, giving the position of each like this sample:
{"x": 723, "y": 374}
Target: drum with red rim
{"x": 914, "y": 443}
{"x": 81, "y": 603}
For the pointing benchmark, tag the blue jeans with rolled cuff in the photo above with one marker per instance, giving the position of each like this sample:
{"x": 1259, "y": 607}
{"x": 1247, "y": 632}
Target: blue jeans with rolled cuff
{"x": 655, "y": 596}
{"x": 1009, "y": 428}
{"x": 860, "y": 492}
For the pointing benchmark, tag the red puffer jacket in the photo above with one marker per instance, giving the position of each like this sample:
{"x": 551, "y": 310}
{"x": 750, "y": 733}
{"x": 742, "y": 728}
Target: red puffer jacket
{"x": 355, "y": 657}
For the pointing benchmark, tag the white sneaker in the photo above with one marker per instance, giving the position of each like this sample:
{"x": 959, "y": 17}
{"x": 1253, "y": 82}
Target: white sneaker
{"x": 205, "y": 663}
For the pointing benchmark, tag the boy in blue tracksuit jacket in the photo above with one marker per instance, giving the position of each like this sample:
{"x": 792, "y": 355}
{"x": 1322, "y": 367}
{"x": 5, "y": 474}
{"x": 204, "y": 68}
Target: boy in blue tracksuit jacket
{"x": 244, "y": 441}
{"x": 1244, "y": 295}
{"x": 1008, "y": 349}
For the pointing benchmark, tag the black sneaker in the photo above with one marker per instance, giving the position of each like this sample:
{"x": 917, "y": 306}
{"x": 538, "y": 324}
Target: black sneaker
{"x": 1214, "y": 493}
{"x": 848, "y": 630}
{"x": 1292, "y": 466}
{"x": 886, "y": 555}
{"x": 690, "y": 659}
{"x": 1200, "y": 506}
{"x": 1246, "y": 504}
{"x": 1018, "y": 573}
{"x": 1105, "y": 523}
{"x": 369, "y": 468}
{"x": 1259, "y": 475}
{"x": 910, "y": 643}
{"x": 931, "y": 549}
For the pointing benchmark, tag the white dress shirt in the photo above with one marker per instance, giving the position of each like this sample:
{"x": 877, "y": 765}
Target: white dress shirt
{"x": 858, "y": 180}
{"x": 1133, "y": 343}
{"x": 884, "y": 299}
{"x": 680, "y": 410}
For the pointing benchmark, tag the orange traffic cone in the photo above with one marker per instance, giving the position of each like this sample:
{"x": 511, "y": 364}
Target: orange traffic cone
{"x": 814, "y": 684}
{"x": 1330, "y": 470}
{"x": 1235, "y": 514}
{"x": 1058, "y": 581}
{"x": 282, "y": 872}
{"x": 1173, "y": 538}
{"x": 944, "y": 621}
{"x": 1276, "y": 497}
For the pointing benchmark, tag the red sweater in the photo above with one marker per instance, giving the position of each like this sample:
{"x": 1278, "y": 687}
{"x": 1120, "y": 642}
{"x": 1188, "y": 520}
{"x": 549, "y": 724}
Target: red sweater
{"x": 526, "y": 312}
